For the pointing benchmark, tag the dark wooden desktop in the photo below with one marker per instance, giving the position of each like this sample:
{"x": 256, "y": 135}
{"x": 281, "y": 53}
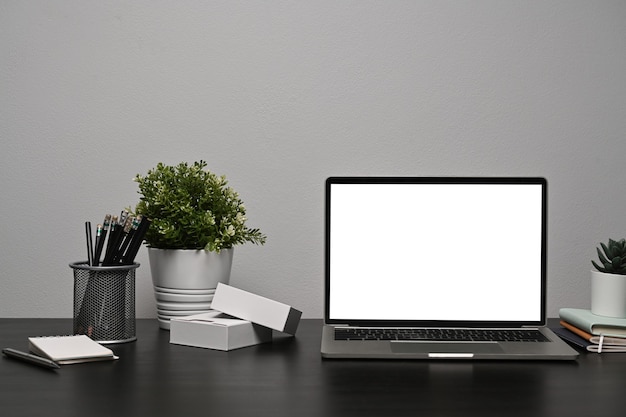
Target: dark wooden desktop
{"x": 289, "y": 378}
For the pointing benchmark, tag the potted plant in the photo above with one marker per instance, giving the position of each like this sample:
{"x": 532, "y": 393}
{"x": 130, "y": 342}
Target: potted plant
{"x": 196, "y": 220}
{"x": 608, "y": 282}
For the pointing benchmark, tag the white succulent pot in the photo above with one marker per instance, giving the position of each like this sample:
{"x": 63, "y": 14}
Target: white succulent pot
{"x": 185, "y": 280}
{"x": 608, "y": 294}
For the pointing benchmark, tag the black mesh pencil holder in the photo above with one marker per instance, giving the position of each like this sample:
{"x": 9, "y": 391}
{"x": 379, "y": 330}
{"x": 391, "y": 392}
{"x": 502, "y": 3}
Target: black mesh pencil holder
{"x": 104, "y": 302}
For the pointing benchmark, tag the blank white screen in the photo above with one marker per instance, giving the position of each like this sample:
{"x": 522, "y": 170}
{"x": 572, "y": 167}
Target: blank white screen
{"x": 435, "y": 252}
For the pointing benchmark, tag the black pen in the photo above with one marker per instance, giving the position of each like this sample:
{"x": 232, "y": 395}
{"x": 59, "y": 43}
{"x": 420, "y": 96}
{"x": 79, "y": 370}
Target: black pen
{"x": 89, "y": 243}
{"x": 30, "y": 358}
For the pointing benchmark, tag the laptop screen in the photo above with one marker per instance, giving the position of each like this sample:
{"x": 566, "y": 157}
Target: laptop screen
{"x": 435, "y": 250}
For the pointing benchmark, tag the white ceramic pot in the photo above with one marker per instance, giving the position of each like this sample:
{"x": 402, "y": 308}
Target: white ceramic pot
{"x": 608, "y": 294}
{"x": 185, "y": 280}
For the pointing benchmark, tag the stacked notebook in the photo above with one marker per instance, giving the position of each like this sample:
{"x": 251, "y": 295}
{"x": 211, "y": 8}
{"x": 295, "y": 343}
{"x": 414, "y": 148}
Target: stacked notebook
{"x": 594, "y": 333}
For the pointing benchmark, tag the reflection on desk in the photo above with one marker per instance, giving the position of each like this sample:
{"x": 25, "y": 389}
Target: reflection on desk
{"x": 289, "y": 378}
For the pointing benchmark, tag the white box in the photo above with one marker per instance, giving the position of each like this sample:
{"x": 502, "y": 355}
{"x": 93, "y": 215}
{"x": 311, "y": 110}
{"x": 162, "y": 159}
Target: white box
{"x": 256, "y": 309}
{"x": 214, "y": 330}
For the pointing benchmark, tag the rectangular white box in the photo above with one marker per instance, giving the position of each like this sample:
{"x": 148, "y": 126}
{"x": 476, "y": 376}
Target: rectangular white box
{"x": 256, "y": 309}
{"x": 214, "y": 330}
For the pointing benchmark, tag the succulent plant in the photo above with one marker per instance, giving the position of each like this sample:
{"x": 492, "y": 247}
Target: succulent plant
{"x": 612, "y": 257}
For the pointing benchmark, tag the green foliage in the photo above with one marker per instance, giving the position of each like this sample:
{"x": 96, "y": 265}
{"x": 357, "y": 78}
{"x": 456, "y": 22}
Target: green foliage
{"x": 612, "y": 257}
{"x": 192, "y": 208}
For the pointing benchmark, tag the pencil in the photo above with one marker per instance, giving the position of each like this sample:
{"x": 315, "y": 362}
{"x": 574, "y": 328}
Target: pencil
{"x": 114, "y": 232}
{"x": 95, "y": 260}
{"x": 135, "y": 244}
{"x": 100, "y": 243}
{"x": 123, "y": 241}
{"x": 121, "y": 254}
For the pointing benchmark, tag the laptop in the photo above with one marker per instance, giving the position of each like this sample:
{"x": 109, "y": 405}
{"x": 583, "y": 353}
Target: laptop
{"x": 437, "y": 268}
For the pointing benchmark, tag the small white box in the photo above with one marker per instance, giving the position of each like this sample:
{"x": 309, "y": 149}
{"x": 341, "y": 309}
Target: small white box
{"x": 256, "y": 309}
{"x": 214, "y": 330}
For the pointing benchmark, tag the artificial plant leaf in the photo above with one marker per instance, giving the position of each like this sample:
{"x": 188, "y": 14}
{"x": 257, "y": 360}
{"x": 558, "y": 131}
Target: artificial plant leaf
{"x": 608, "y": 250}
{"x": 598, "y": 267}
{"x": 616, "y": 262}
{"x": 601, "y": 256}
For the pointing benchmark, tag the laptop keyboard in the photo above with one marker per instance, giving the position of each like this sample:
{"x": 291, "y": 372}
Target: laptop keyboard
{"x": 425, "y": 334}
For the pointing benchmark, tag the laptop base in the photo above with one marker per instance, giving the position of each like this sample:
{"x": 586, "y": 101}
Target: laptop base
{"x": 554, "y": 349}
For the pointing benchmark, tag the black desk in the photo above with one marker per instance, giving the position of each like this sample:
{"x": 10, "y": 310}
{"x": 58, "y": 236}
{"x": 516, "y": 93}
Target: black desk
{"x": 289, "y": 378}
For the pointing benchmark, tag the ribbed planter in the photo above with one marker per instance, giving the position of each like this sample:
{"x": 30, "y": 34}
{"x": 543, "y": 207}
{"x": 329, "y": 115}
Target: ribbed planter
{"x": 185, "y": 280}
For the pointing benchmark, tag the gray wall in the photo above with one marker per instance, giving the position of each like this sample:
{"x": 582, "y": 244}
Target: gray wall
{"x": 280, "y": 95}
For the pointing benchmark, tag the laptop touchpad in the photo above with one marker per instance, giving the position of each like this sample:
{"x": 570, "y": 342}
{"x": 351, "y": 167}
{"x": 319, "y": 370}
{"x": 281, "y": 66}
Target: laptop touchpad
{"x": 438, "y": 347}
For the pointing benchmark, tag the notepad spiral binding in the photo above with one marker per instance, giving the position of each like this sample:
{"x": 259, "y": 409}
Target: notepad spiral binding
{"x": 104, "y": 302}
